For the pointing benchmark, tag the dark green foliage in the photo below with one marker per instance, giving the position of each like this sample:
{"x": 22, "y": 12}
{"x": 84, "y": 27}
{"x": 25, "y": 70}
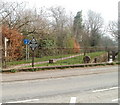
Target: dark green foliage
{"x": 95, "y": 39}
{"x": 78, "y": 26}
{"x": 13, "y": 71}
{"x": 46, "y": 43}
{"x": 78, "y": 21}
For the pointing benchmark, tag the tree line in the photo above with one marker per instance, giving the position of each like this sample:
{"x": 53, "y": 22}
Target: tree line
{"x": 53, "y": 28}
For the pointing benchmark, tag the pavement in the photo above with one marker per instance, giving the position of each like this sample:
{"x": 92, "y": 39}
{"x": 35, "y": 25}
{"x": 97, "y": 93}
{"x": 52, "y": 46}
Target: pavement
{"x": 84, "y": 85}
{"x": 56, "y": 73}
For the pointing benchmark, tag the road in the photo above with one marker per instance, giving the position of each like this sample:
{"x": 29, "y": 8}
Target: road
{"x": 88, "y": 88}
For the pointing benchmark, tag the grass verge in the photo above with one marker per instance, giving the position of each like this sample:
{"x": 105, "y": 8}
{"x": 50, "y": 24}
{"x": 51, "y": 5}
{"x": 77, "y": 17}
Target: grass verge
{"x": 70, "y": 61}
{"x": 45, "y": 58}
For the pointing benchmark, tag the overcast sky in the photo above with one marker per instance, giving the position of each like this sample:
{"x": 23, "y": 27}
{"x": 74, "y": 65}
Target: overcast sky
{"x": 107, "y": 8}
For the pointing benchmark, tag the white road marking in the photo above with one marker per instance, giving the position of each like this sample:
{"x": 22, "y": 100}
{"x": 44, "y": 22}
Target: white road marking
{"x": 101, "y": 90}
{"x": 72, "y": 100}
{"x": 23, "y": 101}
{"x": 115, "y": 100}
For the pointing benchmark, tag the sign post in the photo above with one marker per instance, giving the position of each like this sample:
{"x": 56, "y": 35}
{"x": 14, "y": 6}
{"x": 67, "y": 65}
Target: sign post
{"x": 33, "y": 58}
{"x": 26, "y": 42}
{"x": 5, "y": 59}
{"x": 33, "y": 44}
{"x": 6, "y": 40}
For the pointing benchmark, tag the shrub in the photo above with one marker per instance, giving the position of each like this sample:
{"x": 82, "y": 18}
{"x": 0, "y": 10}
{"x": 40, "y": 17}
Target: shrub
{"x": 13, "y": 71}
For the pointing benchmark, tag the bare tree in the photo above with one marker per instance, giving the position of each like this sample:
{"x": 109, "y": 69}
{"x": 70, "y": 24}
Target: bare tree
{"x": 113, "y": 29}
{"x": 27, "y": 21}
{"x": 38, "y": 24}
{"x": 59, "y": 18}
{"x": 93, "y": 25}
{"x": 10, "y": 13}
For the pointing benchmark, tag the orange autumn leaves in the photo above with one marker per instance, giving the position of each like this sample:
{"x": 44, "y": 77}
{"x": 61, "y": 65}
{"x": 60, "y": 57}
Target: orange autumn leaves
{"x": 76, "y": 46}
{"x": 14, "y": 45}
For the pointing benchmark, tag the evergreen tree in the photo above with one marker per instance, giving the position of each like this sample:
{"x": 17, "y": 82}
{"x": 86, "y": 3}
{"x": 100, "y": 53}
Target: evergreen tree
{"x": 77, "y": 26}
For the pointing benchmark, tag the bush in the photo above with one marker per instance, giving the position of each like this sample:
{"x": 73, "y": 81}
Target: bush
{"x": 13, "y": 71}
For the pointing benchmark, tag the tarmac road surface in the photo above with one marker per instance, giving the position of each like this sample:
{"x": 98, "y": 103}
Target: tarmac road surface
{"x": 95, "y": 87}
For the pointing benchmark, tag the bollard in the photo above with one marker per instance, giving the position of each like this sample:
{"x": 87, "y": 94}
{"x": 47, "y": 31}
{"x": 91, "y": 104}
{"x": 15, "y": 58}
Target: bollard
{"x": 51, "y": 61}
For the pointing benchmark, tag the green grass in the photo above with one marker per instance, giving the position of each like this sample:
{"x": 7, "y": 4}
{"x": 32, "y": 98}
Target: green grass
{"x": 45, "y": 58}
{"x": 118, "y": 57}
{"x": 75, "y": 60}
{"x": 13, "y": 71}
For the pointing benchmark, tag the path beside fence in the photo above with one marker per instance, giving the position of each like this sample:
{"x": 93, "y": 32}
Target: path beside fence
{"x": 42, "y": 62}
